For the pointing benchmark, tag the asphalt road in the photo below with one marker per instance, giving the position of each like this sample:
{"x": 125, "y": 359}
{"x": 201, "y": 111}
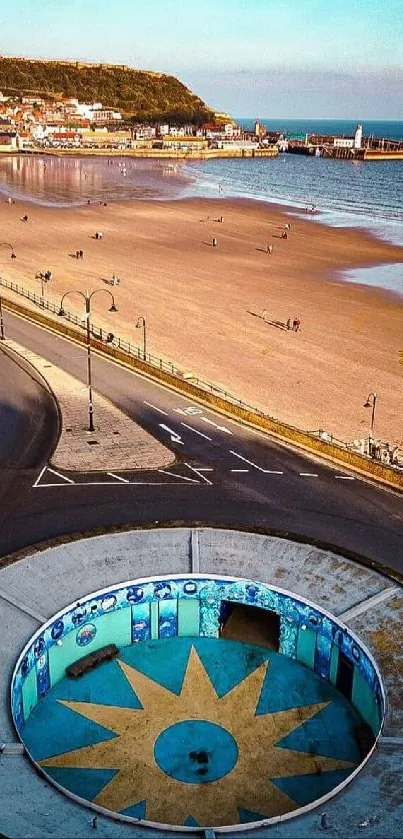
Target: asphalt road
{"x": 224, "y": 474}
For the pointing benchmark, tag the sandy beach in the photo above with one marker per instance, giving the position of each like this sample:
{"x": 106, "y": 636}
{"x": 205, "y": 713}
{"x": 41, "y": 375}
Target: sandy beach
{"x": 203, "y": 304}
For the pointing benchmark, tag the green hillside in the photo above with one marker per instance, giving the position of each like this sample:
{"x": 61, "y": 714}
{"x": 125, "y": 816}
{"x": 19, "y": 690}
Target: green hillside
{"x": 140, "y": 94}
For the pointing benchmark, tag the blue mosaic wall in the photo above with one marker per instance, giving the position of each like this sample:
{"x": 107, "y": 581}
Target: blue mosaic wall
{"x": 154, "y": 606}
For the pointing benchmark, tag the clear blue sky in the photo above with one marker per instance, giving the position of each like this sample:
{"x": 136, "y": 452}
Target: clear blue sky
{"x": 272, "y": 58}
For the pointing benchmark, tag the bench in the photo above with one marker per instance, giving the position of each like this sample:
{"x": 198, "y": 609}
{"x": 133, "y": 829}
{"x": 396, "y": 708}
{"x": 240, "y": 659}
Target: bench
{"x": 88, "y": 662}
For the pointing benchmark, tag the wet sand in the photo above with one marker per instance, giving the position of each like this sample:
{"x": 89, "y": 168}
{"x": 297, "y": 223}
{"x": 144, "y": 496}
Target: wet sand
{"x": 203, "y": 305}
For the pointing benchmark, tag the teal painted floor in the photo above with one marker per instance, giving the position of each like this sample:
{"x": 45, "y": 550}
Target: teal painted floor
{"x": 207, "y": 745}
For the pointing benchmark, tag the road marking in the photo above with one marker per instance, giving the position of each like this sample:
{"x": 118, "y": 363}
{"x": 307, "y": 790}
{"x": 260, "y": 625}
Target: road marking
{"x": 190, "y": 427}
{"x": 155, "y": 408}
{"x": 205, "y": 469}
{"x": 182, "y": 477}
{"x": 260, "y": 468}
{"x": 118, "y": 477}
{"x": 344, "y": 478}
{"x": 239, "y": 470}
{"x": 308, "y": 475}
{"x": 191, "y": 409}
{"x": 63, "y": 477}
{"x": 175, "y": 438}
{"x": 119, "y": 484}
{"x": 219, "y": 427}
{"x": 199, "y": 473}
{"x": 39, "y": 476}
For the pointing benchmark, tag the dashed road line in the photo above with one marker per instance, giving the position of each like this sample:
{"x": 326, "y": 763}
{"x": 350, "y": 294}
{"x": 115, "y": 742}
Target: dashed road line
{"x": 199, "y": 473}
{"x": 255, "y": 466}
{"x": 308, "y": 475}
{"x": 190, "y": 427}
{"x": 219, "y": 427}
{"x": 344, "y": 478}
{"x": 118, "y": 478}
{"x": 160, "y": 411}
{"x": 239, "y": 470}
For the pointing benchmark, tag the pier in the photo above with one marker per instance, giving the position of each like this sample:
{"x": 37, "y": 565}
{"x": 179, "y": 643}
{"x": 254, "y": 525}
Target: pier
{"x": 357, "y": 147}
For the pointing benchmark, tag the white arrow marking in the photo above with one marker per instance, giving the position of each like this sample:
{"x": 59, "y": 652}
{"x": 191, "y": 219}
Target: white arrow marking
{"x": 266, "y": 471}
{"x": 219, "y": 427}
{"x": 199, "y": 473}
{"x": 63, "y": 477}
{"x": 176, "y": 438}
{"x": 118, "y": 477}
{"x": 155, "y": 408}
{"x": 181, "y": 477}
{"x": 190, "y": 427}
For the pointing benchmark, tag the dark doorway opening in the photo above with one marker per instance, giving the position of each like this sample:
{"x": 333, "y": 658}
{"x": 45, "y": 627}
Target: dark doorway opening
{"x": 345, "y": 673}
{"x": 250, "y": 624}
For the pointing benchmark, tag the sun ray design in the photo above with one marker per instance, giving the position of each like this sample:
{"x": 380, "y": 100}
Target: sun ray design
{"x": 245, "y": 781}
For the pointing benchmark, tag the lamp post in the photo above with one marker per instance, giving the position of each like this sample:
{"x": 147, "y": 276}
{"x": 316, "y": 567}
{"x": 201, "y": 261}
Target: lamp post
{"x": 88, "y": 297}
{"x": 2, "y": 336}
{"x": 371, "y": 404}
{"x": 13, "y": 256}
{"x": 141, "y": 321}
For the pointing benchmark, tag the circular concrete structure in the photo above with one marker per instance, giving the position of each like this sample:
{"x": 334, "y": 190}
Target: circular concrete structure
{"x": 230, "y": 702}
{"x": 364, "y": 605}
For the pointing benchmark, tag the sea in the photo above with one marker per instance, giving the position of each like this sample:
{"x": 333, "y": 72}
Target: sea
{"x": 345, "y": 193}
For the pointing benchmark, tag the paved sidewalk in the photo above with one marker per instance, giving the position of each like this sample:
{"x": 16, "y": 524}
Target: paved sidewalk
{"x": 117, "y": 443}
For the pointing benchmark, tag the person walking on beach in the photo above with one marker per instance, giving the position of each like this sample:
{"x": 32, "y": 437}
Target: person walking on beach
{"x": 81, "y": 254}
{"x": 289, "y": 324}
{"x": 284, "y": 234}
{"x": 264, "y": 313}
{"x": 270, "y": 249}
{"x": 296, "y": 325}
{"x": 215, "y": 242}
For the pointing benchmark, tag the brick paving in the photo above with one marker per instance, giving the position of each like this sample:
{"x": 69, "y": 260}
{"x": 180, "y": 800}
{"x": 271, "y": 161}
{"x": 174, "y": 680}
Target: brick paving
{"x": 117, "y": 443}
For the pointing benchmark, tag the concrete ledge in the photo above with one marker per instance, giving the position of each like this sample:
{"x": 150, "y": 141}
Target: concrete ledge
{"x": 282, "y": 431}
{"x": 54, "y": 577}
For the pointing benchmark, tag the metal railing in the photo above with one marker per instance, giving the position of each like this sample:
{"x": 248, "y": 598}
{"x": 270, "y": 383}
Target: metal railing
{"x": 101, "y": 334}
{"x": 134, "y": 350}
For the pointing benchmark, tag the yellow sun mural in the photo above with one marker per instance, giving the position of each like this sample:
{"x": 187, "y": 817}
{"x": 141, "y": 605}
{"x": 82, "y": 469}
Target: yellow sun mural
{"x": 196, "y": 754}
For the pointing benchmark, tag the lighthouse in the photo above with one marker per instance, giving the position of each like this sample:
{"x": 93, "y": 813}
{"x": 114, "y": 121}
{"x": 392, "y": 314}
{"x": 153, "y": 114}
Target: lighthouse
{"x": 358, "y": 136}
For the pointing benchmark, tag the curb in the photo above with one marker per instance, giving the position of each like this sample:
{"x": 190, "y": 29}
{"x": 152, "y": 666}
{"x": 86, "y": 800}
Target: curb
{"x": 281, "y": 431}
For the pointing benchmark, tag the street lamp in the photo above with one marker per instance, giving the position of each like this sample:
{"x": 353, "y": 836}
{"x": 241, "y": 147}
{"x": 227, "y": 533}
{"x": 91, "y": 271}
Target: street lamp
{"x": 44, "y": 278}
{"x": 13, "y": 256}
{"x": 141, "y": 321}
{"x": 371, "y": 404}
{"x": 88, "y": 297}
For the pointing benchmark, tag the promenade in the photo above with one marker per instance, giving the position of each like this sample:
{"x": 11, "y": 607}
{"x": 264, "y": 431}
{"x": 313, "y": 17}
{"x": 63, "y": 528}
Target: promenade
{"x": 204, "y": 305}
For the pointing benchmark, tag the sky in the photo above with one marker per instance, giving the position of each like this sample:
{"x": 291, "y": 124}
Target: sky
{"x": 252, "y": 58}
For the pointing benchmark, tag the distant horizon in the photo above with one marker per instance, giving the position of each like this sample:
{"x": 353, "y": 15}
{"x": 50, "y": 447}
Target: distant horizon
{"x": 294, "y": 58}
{"x": 320, "y": 119}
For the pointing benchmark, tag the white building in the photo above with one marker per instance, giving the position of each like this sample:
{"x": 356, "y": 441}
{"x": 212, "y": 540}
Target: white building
{"x": 105, "y": 115}
{"x": 358, "y": 137}
{"x": 343, "y": 142}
